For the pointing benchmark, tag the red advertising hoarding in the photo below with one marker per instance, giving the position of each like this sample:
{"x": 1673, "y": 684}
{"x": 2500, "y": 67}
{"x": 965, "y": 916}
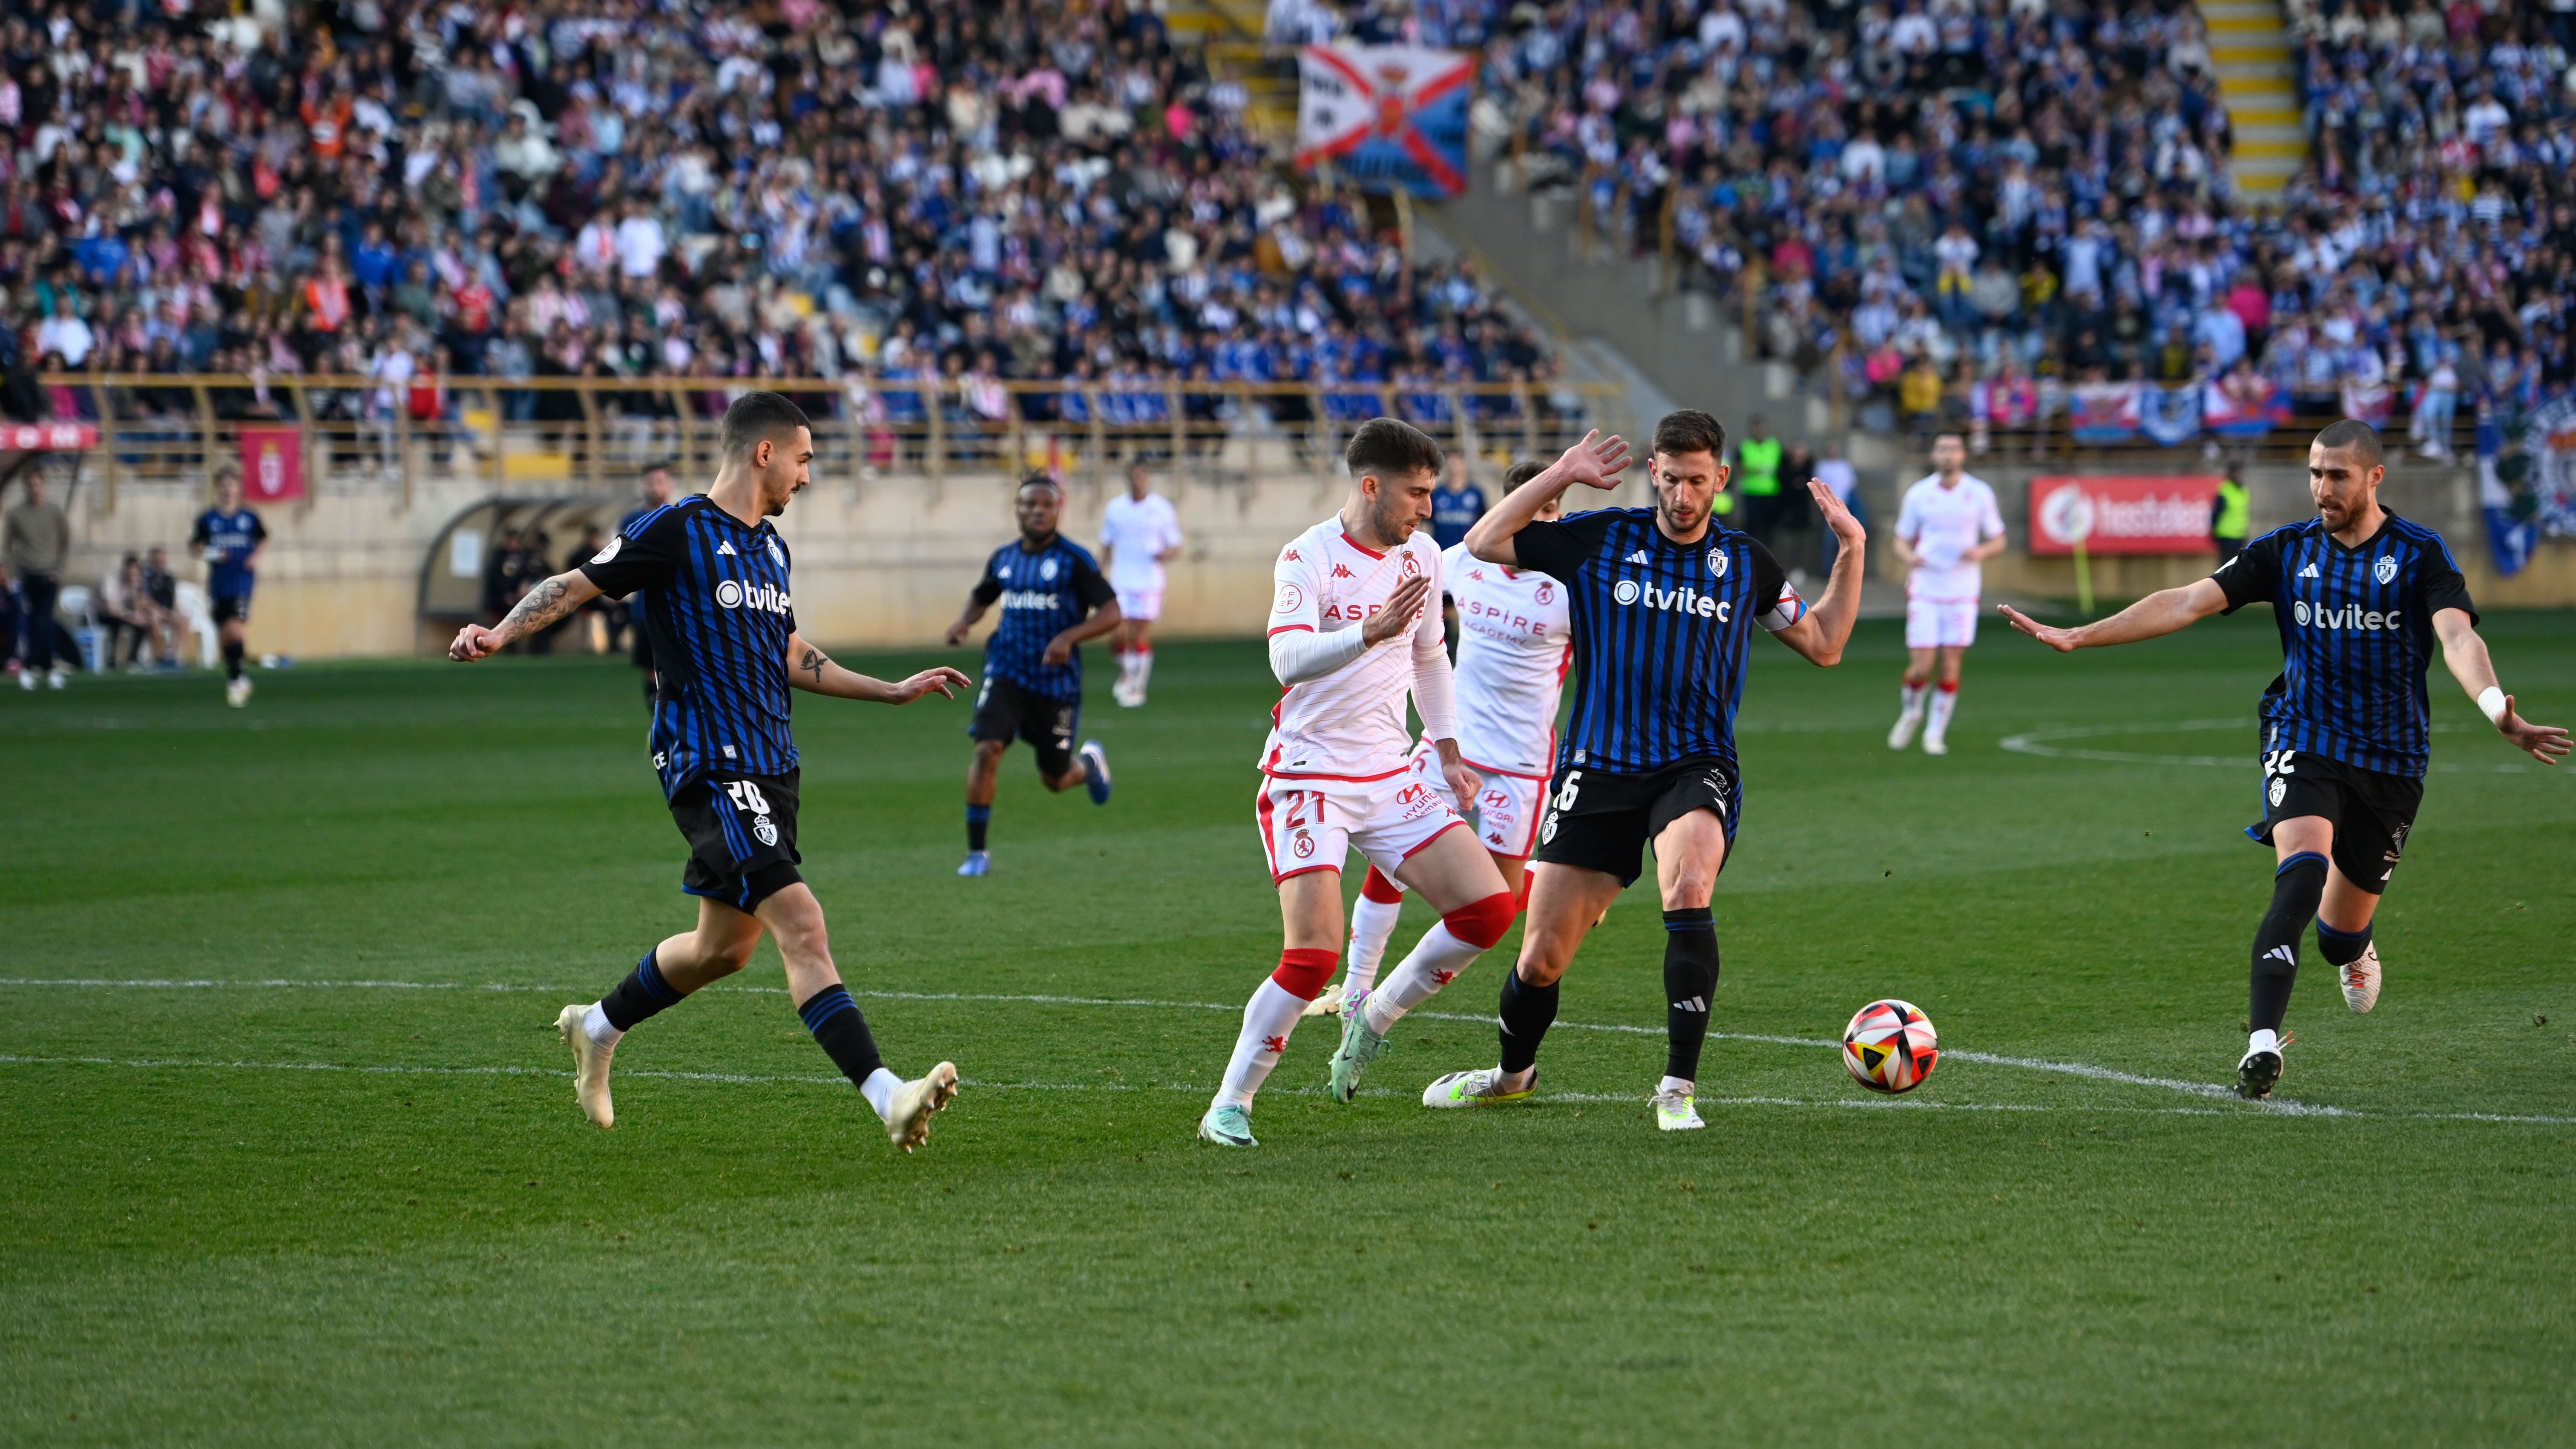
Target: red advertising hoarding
{"x": 2160, "y": 514}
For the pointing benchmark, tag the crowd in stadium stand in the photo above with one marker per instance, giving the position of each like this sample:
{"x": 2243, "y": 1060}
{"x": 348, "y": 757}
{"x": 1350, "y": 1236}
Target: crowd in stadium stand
{"x": 1984, "y": 206}
{"x": 407, "y": 191}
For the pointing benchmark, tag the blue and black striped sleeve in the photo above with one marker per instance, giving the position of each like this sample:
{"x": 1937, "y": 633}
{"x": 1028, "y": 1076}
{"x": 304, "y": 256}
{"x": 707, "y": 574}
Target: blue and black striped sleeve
{"x": 2443, "y": 587}
{"x": 642, "y": 556}
{"x": 1560, "y": 547}
{"x": 2253, "y": 576}
{"x": 1088, "y": 585}
{"x": 989, "y": 587}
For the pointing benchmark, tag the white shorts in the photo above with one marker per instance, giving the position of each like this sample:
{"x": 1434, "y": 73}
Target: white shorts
{"x": 1505, "y": 817}
{"x": 1314, "y": 824}
{"x": 1142, "y": 605}
{"x": 1940, "y": 623}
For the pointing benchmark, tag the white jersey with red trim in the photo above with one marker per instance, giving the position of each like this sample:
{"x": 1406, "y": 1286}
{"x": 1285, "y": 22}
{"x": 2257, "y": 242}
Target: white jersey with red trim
{"x": 1515, "y": 640}
{"x": 1348, "y": 725}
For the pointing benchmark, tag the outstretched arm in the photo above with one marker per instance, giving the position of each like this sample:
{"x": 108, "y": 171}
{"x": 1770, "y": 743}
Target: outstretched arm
{"x": 811, "y": 670}
{"x": 2155, "y": 615}
{"x": 1821, "y": 635}
{"x": 2466, "y": 654}
{"x": 550, "y": 600}
{"x": 1594, "y": 462}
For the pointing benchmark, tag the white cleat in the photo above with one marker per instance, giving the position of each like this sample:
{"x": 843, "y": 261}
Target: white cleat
{"x": 2361, "y": 979}
{"x": 1901, "y": 733}
{"x": 237, "y": 692}
{"x": 1936, "y": 744}
{"x": 1484, "y": 1087}
{"x": 1677, "y": 1111}
{"x": 589, "y": 1066}
{"x": 909, "y": 1123}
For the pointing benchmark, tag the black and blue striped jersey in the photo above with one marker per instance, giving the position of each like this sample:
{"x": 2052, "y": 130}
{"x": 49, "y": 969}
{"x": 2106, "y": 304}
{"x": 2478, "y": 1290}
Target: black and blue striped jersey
{"x": 712, "y": 593}
{"x": 2356, "y": 637}
{"x": 1043, "y": 592}
{"x": 1660, "y": 630}
{"x": 226, "y": 542}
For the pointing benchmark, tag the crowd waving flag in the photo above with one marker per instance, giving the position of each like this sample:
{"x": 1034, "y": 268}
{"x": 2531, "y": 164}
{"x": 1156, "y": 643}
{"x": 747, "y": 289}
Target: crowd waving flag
{"x": 1386, "y": 116}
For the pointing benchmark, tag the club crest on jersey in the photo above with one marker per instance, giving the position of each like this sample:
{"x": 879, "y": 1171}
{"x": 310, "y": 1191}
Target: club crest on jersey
{"x": 1412, "y": 566}
{"x": 1717, "y": 562}
{"x": 1546, "y": 593}
{"x": 1046, "y": 572}
{"x": 1290, "y": 596}
{"x": 777, "y": 555}
{"x": 2385, "y": 569}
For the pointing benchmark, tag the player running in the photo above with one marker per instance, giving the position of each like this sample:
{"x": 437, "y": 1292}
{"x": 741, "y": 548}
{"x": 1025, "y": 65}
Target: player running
{"x": 2360, "y": 596}
{"x": 1513, "y": 649}
{"x": 710, "y": 577}
{"x": 1139, "y": 533}
{"x": 1032, "y": 690}
{"x": 1947, "y": 526}
{"x": 1352, "y": 629}
{"x": 230, "y": 538}
{"x": 1664, "y": 601}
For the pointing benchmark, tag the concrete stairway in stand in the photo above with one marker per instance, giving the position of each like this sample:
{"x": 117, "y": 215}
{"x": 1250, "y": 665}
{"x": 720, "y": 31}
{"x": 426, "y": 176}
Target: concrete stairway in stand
{"x": 2251, "y": 49}
{"x": 1228, "y": 32}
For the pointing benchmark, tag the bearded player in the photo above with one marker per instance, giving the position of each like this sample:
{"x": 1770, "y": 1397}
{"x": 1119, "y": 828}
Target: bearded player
{"x": 1513, "y": 649}
{"x": 1946, "y": 528}
{"x": 1354, "y": 628}
{"x": 2360, "y": 597}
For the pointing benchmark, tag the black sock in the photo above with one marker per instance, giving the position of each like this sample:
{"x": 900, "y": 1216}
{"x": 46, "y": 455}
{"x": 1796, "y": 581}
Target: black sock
{"x": 232, "y": 659}
{"x": 1526, "y": 1014}
{"x": 1690, "y": 983}
{"x": 639, "y": 996}
{"x": 979, "y": 819}
{"x": 2341, "y": 948}
{"x": 2296, "y": 888}
{"x": 843, "y": 1033}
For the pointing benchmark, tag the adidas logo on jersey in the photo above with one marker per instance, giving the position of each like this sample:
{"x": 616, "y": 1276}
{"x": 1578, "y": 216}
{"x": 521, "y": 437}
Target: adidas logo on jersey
{"x": 2309, "y": 572}
{"x": 726, "y": 550}
{"x": 1640, "y": 557}
{"x": 2350, "y": 616}
{"x": 1684, "y": 600}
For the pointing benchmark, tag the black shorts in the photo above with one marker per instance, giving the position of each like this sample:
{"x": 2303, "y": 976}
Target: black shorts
{"x": 232, "y": 611}
{"x": 742, "y": 837}
{"x": 2370, "y": 811}
{"x": 1006, "y": 712}
{"x": 1603, "y": 821}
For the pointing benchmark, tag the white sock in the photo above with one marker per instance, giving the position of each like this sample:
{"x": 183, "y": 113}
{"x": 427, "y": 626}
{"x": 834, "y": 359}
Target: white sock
{"x": 1268, "y": 1019}
{"x": 1372, "y": 923}
{"x": 1144, "y": 667}
{"x": 1912, "y": 700}
{"x": 2266, "y": 1040}
{"x": 879, "y": 1089}
{"x": 1127, "y": 670}
{"x": 595, "y": 1022}
{"x": 1676, "y": 1084}
{"x": 1435, "y": 961}
{"x": 1943, "y": 701}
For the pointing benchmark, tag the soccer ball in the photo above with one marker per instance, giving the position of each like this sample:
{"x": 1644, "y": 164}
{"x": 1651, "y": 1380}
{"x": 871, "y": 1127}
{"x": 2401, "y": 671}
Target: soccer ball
{"x": 1890, "y": 1046}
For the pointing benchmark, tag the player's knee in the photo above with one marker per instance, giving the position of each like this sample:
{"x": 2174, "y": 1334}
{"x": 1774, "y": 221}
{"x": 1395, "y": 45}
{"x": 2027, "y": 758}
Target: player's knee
{"x": 1303, "y": 972}
{"x": 1481, "y": 923}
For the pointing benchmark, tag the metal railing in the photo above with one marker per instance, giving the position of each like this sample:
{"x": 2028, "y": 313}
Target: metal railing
{"x": 596, "y": 431}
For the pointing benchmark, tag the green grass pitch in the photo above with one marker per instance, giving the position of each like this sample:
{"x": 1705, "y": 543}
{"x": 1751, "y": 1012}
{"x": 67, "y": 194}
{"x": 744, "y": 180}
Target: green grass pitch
{"x": 316, "y": 1175}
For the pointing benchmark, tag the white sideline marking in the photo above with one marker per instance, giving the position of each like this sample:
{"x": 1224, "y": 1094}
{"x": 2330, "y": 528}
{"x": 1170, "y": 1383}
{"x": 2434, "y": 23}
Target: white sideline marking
{"x": 749, "y": 1079}
{"x": 2043, "y": 742}
{"x": 2280, "y": 1105}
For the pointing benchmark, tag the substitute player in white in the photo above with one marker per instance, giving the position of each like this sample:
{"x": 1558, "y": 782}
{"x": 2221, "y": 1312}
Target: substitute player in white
{"x": 1947, "y": 526}
{"x": 1514, "y": 642}
{"x": 1352, "y": 632}
{"x": 1140, "y": 532}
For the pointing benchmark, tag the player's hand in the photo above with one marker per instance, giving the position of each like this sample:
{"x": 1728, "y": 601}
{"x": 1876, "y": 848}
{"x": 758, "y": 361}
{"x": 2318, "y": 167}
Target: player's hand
{"x": 2061, "y": 640}
{"x": 944, "y": 680}
{"x": 1463, "y": 780}
{"x": 1059, "y": 649}
{"x": 1403, "y": 607}
{"x": 956, "y": 635}
{"x": 474, "y": 642}
{"x": 2544, "y": 743}
{"x": 1837, "y": 515}
{"x": 1595, "y": 462}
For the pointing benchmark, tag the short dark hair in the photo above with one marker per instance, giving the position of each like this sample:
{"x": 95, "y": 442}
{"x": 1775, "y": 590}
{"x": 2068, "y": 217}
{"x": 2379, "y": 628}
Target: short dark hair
{"x": 1387, "y": 446}
{"x": 755, "y": 416}
{"x": 1041, "y": 480}
{"x": 2355, "y": 434}
{"x": 1690, "y": 431}
{"x": 1520, "y": 473}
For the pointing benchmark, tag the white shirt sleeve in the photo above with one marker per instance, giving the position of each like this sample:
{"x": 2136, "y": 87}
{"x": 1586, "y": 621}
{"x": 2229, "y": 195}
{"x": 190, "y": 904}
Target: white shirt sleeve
{"x": 1435, "y": 690}
{"x": 1909, "y": 519}
{"x": 1990, "y": 521}
{"x": 1300, "y": 649}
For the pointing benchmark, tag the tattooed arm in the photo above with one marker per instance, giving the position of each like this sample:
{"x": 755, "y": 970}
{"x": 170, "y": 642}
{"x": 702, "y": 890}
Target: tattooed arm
{"x": 550, "y": 600}
{"x": 809, "y": 668}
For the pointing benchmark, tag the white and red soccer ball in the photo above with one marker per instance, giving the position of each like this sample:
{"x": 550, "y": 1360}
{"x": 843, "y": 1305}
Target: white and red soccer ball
{"x": 1890, "y": 1046}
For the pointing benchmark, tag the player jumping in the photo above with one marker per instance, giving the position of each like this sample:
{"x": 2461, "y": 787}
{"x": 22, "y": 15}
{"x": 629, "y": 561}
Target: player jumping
{"x": 709, "y": 574}
{"x": 2360, "y": 596}
{"x": 1352, "y": 629}
{"x": 1664, "y": 601}
{"x": 1139, "y": 534}
{"x": 1032, "y": 690}
{"x": 230, "y": 538}
{"x": 1512, "y": 654}
{"x": 1947, "y": 526}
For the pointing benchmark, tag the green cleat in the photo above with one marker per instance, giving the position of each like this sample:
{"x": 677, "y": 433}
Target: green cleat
{"x": 1228, "y": 1125}
{"x": 1480, "y": 1088}
{"x": 1359, "y": 1047}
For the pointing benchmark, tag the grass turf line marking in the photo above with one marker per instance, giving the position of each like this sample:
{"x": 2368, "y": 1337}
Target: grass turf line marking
{"x": 752, "y": 1079}
{"x": 2043, "y": 742}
